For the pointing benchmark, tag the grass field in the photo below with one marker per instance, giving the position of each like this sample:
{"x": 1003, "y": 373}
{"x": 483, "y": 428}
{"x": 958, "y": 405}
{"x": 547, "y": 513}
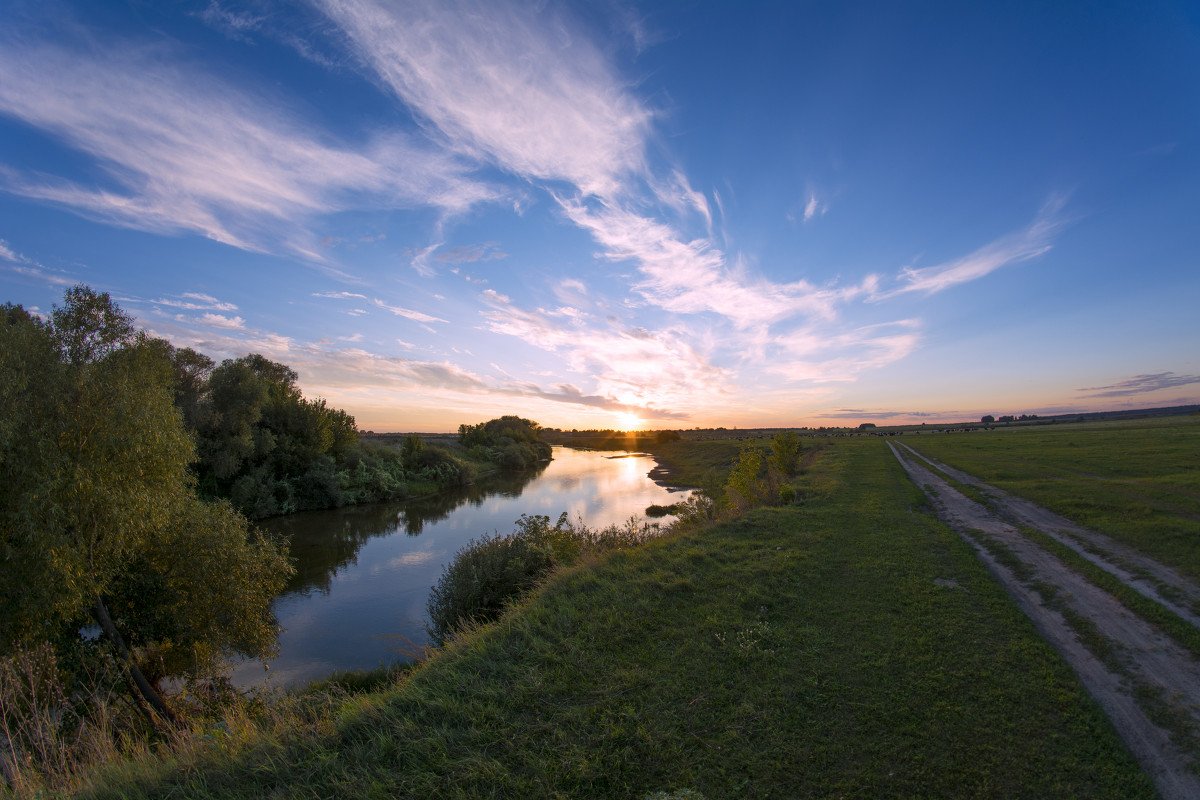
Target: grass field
{"x": 849, "y": 647}
{"x": 1135, "y": 480}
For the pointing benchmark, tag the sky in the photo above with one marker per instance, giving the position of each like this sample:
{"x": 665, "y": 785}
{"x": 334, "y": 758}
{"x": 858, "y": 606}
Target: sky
{"x": 609, "y": 214}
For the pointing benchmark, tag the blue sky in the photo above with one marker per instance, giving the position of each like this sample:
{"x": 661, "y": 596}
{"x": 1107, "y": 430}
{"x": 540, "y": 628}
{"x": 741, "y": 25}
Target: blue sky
{"x": 611, "y": 214}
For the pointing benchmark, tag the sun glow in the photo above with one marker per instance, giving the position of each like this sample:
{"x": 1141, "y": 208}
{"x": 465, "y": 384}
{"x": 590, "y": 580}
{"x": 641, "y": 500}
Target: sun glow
{"x": 629, "y": 422}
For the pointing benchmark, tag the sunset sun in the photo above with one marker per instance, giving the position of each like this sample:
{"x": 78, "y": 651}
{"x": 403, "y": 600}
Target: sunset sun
{"x": 629, "y": 422}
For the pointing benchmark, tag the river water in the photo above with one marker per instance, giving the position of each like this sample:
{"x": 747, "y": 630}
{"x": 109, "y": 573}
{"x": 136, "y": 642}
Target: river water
{"x": 363, "y": 573}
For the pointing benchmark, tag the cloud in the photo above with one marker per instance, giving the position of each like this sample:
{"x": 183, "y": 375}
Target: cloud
{"x": 408, "y": 313}
{"x": 23, "y": 265}
{"x": 560, "y": 113}
{"x": 420, "y": 260}
{"x": 471, "y": 253}
{"x": 567, "y": 393}
{"x": 510, "y": 83}
{"x": 810, "y": 210}
{"x": 180, "y": 150}
{"x": 1014, "y": 248}
{"x": 191, "y": 301}
{"x": 630, "y": 366}
{"x": 339, "y": 295}
{"x": 236, "y": 26}
{"x": 823, "y": 355}
{"x": 690, "y": 277}
{"x": 214, "y": 320}
{"x": 1140, "y": 384}
{"x": 855, "y": 413}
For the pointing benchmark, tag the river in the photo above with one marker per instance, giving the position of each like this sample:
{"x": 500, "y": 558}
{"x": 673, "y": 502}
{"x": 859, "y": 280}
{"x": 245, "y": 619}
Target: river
{"x": 363, "y": 573}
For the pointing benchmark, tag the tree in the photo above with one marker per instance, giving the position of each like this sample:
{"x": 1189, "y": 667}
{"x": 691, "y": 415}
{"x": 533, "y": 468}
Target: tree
{"x": 511, "y": 441}
{"x": 98, "y": 510}
{"x": 987, "y": 419}
{"x": 745, "y": 487}
{"x": 413, "y": 446}
{"x": 264, "y": 446}
{"x": 785, "y": 449}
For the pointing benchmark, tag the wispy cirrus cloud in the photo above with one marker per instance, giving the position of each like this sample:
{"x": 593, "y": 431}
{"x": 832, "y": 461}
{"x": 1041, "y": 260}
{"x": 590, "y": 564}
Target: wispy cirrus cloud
{"x": 1022, "y": 245}
{"x": 635, "y": 367}
{"x": 21, "y": 264}
{"x": 194, "y": 301}
{"x": 407, "y": 313}
{"x": 327, "y": 367}
{"x": 690, "y": 277}
{"x": 182, "y": 150}
{"x": 339, "y": 295}
{"x": 507, "y": 83}
{"x": 859, "y": 413}
{"x": 468, "y": 254}
{"x": 222, "y": 321}
{"x": 1141, "y": 384}
{"x": 560, "y": 114}
{"x": 820, "y": 355}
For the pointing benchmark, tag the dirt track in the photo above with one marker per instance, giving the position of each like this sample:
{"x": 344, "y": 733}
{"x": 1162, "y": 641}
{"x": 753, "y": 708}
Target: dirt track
{"x": 1137, "y": 671}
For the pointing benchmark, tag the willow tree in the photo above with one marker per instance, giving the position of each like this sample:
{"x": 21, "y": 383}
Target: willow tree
{"x": 99, "y": 515}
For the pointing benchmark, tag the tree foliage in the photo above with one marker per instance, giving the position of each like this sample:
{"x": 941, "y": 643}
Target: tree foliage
{"x": 263, "y": 445}
{"x": 746, "y": 486}
{"x": 510, "y": 441}
{"x": 100, "y": 517}
{"x": 785, "y": 452}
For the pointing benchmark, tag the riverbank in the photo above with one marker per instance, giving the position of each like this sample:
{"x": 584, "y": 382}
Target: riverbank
{"x": 851, "y": 645}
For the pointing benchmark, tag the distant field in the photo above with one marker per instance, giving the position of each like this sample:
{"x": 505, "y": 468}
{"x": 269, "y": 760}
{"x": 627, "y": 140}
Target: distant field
{"x": 1135, "y": 480}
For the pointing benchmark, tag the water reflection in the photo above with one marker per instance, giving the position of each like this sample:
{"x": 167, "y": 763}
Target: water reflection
{"x": 323, "y": 542}
{"x": 364, "y": 573}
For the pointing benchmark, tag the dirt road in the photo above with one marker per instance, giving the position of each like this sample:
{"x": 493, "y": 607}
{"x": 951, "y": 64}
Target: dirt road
{"x": 1147, "y": 684}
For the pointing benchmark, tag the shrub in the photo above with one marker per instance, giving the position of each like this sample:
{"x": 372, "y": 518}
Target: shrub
{"x": 746, "y": 487}
{"x": 489, "y": 573}
{"x": 482, "y": 579}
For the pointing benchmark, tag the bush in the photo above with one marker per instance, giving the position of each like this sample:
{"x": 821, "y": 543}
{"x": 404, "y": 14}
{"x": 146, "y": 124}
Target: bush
{"x": 489, "y": 573}
{"x": 482, "y": 579}
{"x": 746, "y": 488}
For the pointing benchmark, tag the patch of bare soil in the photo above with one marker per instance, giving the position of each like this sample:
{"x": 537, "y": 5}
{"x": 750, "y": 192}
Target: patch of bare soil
{"x": 1147, "y": 684}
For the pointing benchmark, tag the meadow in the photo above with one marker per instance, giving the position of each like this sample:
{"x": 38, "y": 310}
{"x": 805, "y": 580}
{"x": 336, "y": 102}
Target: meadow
{"x": 846, "y": 645}
{"x": 1136, "y": 480}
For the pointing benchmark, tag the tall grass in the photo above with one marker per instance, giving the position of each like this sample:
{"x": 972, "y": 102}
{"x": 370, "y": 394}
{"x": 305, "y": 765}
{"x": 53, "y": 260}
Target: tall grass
{"x": 51, "y": 731}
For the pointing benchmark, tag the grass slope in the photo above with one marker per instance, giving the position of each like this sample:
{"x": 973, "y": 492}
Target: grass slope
{"x": 795, "y": 652}
{"x": 1136, "y": 480}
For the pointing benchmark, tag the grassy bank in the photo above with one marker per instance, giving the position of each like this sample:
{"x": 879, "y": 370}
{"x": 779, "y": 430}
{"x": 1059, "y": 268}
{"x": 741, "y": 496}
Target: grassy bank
{"x": 1135, "y": 480}
{"x": 850, "y": 647}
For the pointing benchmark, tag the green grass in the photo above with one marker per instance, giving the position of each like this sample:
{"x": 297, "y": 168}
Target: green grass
{"x": 794, "y": 652}
{"x": 702, "y": 464}
{"x": 1135, "y": 480}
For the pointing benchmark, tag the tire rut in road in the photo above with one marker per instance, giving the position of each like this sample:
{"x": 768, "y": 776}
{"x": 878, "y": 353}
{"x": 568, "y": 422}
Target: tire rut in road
{"x": 1137, "y": 672}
